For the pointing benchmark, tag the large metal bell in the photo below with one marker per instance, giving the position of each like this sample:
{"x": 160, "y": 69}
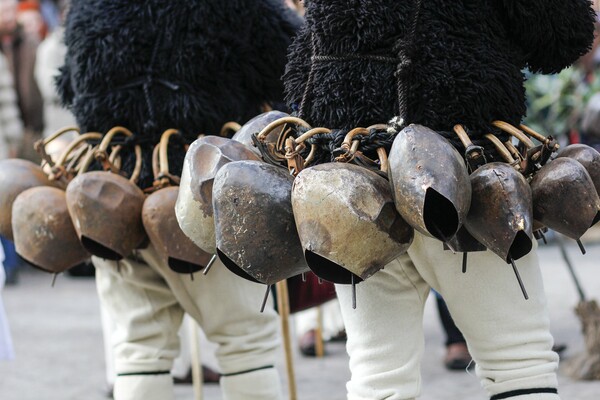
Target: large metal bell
{"x": 194, "y": 208}
{"x": 16, "y": 176}
{"x": 43, "y": 230}
{"x": 257, "y": 124}
{"x": 106, "y": 209}
{"x": 254, "y": 223}
{"x": 501, "y": 216}
{"x": 564, "y": 197}
{"x": 158, "y": 216}
{"x": 590, "y": 159}
{"x": 347, "y": 221}
{"x": 429, "y": 182}
{"x": 586, "y": 156}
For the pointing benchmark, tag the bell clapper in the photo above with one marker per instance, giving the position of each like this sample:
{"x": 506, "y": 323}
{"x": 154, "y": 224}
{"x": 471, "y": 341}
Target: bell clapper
{"x": 191, "y": 273}
{"x": 119, "y": 266}
{"x": 210, "y": 264}
{"x": 583, "y": 251}
{"x": 54, "y": 279}
{"x": 264, "y": 303}
{"x": 543, "y": 237}
{"x": 353, "y": 292}
{"x": 514, "y": 266}
{"x": 304, "y": 277}
{"x": 320, "y": 281}
{"x": 464, "y": 263}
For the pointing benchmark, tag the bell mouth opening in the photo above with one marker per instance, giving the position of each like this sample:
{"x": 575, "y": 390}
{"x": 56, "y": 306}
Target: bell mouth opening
{"x": 440, "y": 216}
{"x": 520, "y": 247}
{"x": 184, "y": 267}
{"x": 233, "y": 267}
{"x": 329, "y": 270}
{"x": 99, "y": 250}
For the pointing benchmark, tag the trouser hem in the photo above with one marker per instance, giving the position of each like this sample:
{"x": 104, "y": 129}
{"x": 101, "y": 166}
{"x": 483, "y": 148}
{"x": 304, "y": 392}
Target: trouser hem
{"x": 145, "y": 373}
{"x": 248, "y": 371}
{"x": 523, "y": 392}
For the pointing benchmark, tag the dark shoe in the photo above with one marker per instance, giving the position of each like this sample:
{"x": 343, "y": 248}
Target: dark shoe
{"x": 457, "y": 357}
{"x": 208, "y": 376}
{"x": 559, "y": 348}
{"x": 308, "y": 343}
{"x": 339, "y": 337}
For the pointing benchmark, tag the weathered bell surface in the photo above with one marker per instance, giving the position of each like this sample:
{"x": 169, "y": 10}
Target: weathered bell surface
{"x": 564, "y": 197}
{"x": 16, "y": 176}
{"x": 590, "y": 159}
{"x": 347, "y": 221}
{"x": 254, "y": 223}
{"x": 429, "y": 182}
{"x": 257, "y": 124}
{"x": 501, "y": 217}
{"x": 586, "y": 156}
{"x": 194, "y": 209}
{"x": 43, "y": 230}
{"x": 178, "y": 251}
{"x": 106, "y": 209}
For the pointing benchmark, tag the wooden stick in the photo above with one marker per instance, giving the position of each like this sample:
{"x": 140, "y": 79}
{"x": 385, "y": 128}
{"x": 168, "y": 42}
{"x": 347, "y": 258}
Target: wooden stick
{"x": 196, "y": 361}
{"x": 283, "y": 304}
{"x": 319, "y": 348}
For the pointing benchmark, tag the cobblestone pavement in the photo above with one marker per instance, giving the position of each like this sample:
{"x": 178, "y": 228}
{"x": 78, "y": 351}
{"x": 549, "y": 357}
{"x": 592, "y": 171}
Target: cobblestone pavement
{"x": 60, "y": 354}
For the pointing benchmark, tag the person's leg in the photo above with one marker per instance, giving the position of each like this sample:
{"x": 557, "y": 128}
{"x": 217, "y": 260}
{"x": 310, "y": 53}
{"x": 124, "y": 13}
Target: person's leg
{"x": 508, "y": 336}
{"x": 146, "y": 318}
{"x": 453, "y": 334}
{"x": 457, "y": 355}
{"x": 385, "y": 333}
{"x": 227, "y": 308}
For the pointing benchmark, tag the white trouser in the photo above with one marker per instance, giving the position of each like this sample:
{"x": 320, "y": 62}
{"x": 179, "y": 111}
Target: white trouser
{"x": 181, "y": 365}
{"x": 146, "y": 301}
{"x": 507, "y": 335}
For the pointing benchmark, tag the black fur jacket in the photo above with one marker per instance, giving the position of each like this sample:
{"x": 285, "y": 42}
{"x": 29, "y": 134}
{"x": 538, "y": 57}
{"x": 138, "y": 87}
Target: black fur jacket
{"x": 466, "y": 58}
{"x": 187, "y": 64}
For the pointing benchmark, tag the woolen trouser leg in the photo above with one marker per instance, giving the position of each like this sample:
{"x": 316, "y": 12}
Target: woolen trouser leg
{"x": 147, "y": 300}
{"x": 385, "y": 332}
{"x": 507, "y": 335}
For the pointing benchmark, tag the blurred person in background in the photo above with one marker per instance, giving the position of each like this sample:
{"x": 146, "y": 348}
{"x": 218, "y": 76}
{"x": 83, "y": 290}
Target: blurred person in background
{"x": 11, "y": 131}
{"x": 29, "y": 16}
{"x": 50, "y": 56}
{"x": 51, "y": 12}
{"x": 20, "y": 35}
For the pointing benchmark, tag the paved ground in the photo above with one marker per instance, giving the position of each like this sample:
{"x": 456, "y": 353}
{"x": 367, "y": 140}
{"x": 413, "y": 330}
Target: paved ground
{"x": 60, "y": 355}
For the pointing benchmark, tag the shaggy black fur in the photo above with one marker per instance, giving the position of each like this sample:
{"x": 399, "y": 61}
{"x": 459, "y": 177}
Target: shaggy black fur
{"x": 466, "y": 63}
{"x": 186, "y": 64}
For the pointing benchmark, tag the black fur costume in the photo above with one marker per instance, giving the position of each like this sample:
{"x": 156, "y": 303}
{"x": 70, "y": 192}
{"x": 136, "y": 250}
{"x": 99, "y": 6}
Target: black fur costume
{"x": 186, "y": 64}
{"x": 466, "y": 59}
